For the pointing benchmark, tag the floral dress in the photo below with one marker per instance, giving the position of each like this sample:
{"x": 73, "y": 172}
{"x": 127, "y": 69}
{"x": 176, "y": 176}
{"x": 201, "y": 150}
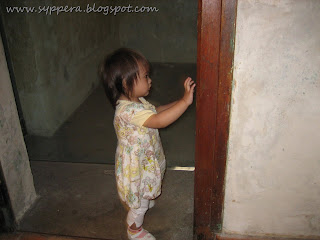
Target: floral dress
{"x": 140, "y": 160}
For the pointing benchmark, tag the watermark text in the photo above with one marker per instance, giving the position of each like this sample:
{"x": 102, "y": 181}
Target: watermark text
{"x": 90, "y": 8}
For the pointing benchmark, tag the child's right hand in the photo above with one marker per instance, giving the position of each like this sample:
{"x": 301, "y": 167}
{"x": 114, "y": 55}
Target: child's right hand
{"x": 171, "y": 114}
{"x": 189, "y": 86}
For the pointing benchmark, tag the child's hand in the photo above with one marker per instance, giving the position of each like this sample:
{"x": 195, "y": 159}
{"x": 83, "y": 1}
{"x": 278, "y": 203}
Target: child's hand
{"x": 175, "y": 110}
{"x": 189, "y": 86}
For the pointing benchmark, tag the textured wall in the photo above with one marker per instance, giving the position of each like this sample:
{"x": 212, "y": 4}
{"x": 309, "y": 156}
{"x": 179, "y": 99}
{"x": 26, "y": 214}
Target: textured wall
{"x": 55, "y": 57}
{"x": 13, "y": 154}
{"x": 272, "y": 184}
{"x": 55, "y": 61}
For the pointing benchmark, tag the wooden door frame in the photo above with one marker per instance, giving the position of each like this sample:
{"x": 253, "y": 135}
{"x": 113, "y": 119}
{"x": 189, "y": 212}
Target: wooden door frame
{"x": 216, "y": 34}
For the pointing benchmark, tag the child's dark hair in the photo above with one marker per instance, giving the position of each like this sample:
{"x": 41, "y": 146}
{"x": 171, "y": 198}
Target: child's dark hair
{"x": 121, "y": 66}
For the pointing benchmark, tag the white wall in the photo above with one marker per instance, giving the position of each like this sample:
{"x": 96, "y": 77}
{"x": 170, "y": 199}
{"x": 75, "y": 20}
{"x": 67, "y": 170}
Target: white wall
{"x": 14, "y": 159}
{"x": 273, "y": 179}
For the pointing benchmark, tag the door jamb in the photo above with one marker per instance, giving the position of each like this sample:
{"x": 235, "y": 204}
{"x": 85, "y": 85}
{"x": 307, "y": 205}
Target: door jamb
{"x": 216, "y": 35}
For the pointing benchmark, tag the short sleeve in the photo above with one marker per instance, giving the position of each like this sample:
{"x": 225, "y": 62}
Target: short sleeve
{"x": 140, "y": 117}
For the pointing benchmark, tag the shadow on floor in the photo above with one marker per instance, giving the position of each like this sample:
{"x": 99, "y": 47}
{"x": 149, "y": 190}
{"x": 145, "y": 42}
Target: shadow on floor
{"x": 79, "y": 199}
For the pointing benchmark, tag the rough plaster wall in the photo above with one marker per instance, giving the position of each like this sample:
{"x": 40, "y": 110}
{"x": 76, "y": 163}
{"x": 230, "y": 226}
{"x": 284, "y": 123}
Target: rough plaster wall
{"x": 273, "y": 180}
{"x": 55, "y": 58}
{"x": 13, "y": 154}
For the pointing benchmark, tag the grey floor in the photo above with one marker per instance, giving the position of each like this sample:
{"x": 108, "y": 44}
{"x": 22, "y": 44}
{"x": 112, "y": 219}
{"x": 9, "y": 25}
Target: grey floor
{"x": 80, "y": 199}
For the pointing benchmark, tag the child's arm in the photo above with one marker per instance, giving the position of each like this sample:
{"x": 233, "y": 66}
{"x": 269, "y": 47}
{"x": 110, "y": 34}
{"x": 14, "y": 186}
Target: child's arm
{"x": 165, "y": 107}
{"x": 171, "y": 114}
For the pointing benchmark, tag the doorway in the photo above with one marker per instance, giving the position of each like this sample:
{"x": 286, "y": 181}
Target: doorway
{"x": 55, "y": 140}
{"x": 204, "y": 175}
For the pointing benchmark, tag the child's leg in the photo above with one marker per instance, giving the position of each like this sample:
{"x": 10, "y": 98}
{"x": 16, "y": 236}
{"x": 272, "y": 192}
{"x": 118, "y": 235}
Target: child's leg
{"x": 135, "y": 216}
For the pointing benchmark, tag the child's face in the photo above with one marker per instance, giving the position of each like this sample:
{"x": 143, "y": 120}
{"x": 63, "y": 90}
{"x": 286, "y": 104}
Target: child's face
{"x": 142, "y": 86}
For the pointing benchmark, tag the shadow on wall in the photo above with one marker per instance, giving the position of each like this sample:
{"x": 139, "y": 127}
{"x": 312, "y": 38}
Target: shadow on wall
{"x": 88, "y": 135}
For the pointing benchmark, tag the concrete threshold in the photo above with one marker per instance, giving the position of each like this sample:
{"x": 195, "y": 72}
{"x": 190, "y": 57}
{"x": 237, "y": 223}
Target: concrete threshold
{"x": 41, "y": 236}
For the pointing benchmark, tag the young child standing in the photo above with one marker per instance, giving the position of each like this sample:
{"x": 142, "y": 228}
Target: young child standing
{"x": 140, "y": 161}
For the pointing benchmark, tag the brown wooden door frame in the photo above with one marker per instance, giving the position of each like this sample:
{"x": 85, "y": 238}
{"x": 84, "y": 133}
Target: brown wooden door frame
{"x": 216, "y": 34}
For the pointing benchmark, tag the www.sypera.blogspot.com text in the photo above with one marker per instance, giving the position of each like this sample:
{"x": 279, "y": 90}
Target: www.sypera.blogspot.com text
{"x": 90, "y": 8}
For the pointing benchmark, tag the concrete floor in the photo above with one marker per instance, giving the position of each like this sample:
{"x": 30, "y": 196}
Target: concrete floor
{"x": 80, "y": 199}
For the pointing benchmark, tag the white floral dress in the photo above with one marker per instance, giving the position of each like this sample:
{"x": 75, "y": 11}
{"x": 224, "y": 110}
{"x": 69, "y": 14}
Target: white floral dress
{"x": 140, "y": 160}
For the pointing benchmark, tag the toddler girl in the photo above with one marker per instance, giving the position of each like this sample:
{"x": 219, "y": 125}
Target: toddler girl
{"x": 140, "y": 161}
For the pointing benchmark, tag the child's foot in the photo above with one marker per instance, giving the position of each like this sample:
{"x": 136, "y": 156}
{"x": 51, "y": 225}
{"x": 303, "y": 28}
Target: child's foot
{"x": 152, "y": 203}
{"x": 140, "y": 234}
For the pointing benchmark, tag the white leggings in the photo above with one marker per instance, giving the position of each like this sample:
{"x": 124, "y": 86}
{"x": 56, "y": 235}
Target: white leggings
{"x": 136, "y": 215}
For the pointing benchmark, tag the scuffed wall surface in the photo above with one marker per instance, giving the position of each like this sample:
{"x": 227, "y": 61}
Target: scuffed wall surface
{"x": 13, "y": 154}
{"x": 55, "y": 60}
{"x": 55, "y": 57}
{"x": 273, "y": 180}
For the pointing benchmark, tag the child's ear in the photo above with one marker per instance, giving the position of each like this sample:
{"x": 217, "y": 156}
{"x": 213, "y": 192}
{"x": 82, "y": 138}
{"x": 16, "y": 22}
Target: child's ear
{"x": 125, "y": 88}
{"x": 124, "y": 84}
